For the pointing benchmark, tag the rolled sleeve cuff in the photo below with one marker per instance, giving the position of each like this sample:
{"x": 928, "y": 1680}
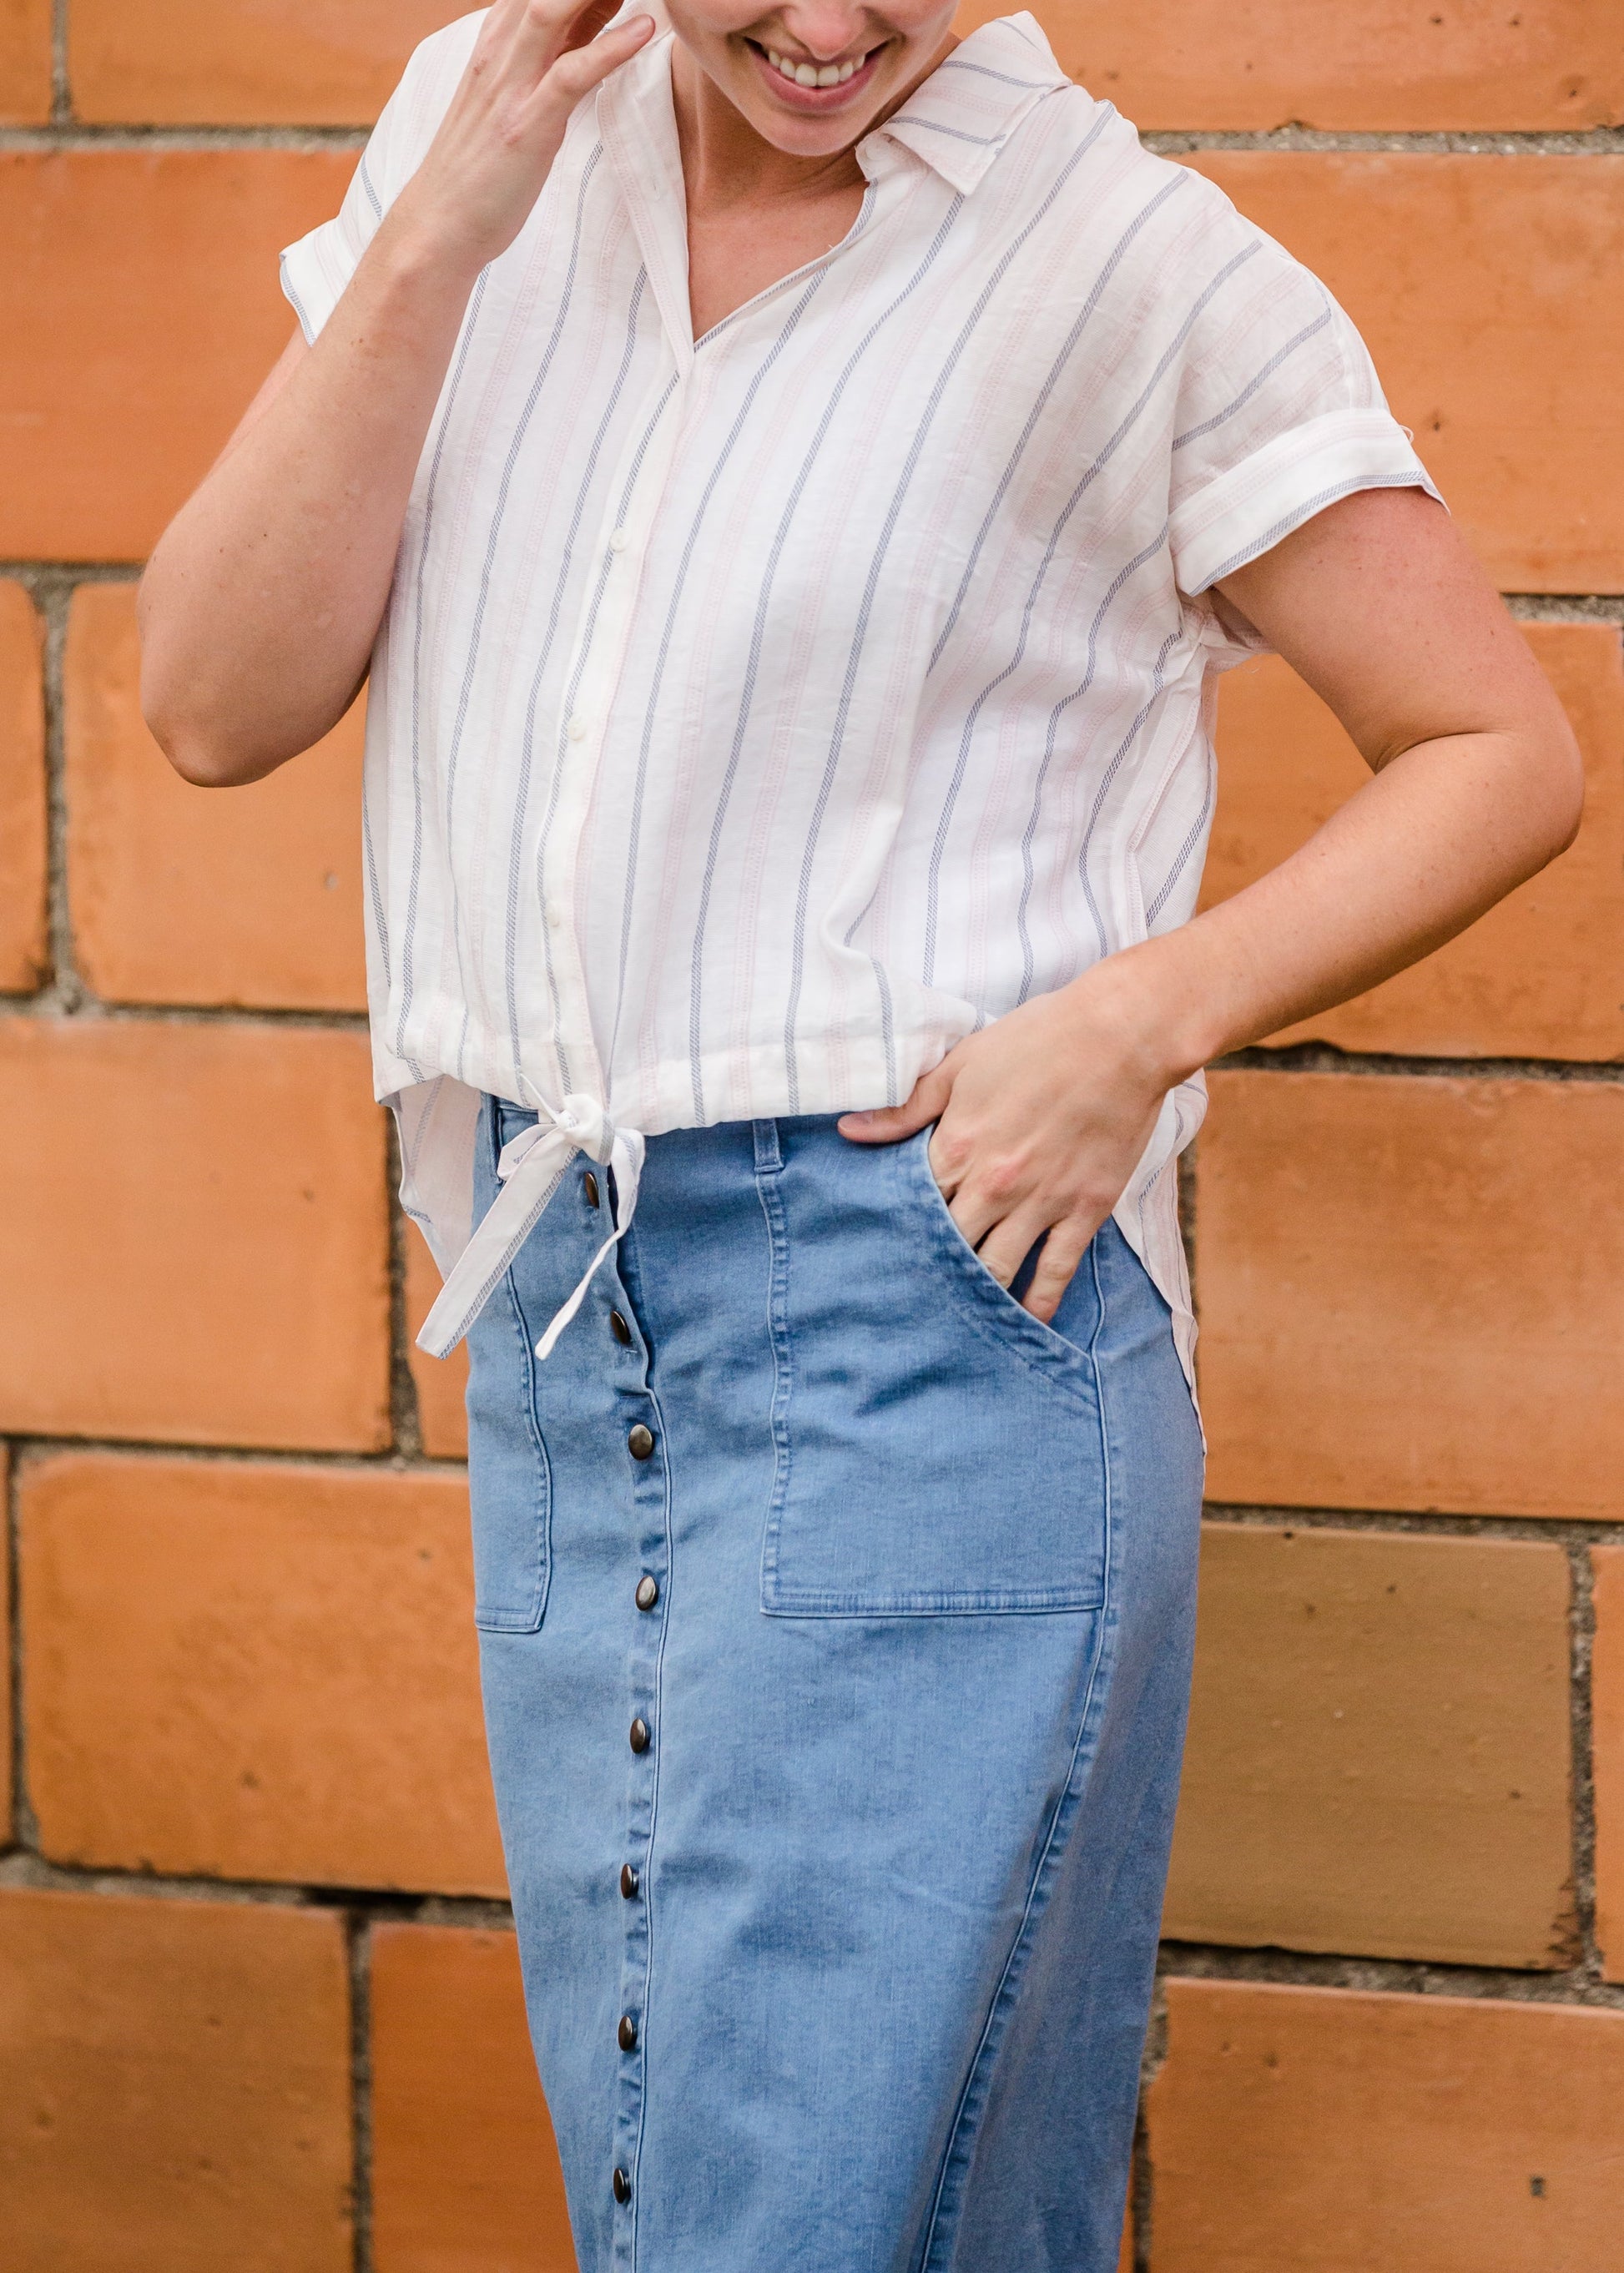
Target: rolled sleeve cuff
{"x": 314, "y": 273}
{"x": 1243, "y": 513}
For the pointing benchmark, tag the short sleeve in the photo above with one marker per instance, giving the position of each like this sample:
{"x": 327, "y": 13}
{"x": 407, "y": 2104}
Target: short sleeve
{"x": 315, "y": 270}
{"x": 1280, "y": 411}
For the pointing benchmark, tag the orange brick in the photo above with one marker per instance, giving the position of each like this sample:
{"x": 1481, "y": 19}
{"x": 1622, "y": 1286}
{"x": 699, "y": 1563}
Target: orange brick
{"x": 1484, "y": 287}
{"x": 1607, "y": 1756}
{"x": 442, "y": 1382}
{"x": 1412, "y": 1293}
{"x": 25, "y": 62}
{"x": 250, "y": 898}
{"x": 24, "y": 951}
{"x": 296, "y": 62}
{"x": 1379, "y": 1755}
{"x": 195, "y": 1243}
{"x": 1403, "y": 65}
{"x": 139, "y": 311}
{"x": 174, "y": 2087}
{"x": 251, "y": 1671}
{"x": 1542, "y": 975}
{"x": 1330, "y": 2131}
{"x": 465, "y": 2173}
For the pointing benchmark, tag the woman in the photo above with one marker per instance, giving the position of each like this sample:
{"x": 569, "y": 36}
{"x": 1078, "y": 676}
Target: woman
{"x": 793, "y": 485}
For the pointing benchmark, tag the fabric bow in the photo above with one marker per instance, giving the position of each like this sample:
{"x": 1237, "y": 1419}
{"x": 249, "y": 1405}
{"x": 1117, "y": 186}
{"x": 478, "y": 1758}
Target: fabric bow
{"x": 532, "y": 1165}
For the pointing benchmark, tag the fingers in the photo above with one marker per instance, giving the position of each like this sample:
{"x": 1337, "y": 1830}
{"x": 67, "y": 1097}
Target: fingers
{"x": 888, "y": 1124}
{"x": 1062, "y": 1251}
{"x": 1006, "y": 1246}
{"x": 581, "y": 69}
{"x": 545, "y": 33}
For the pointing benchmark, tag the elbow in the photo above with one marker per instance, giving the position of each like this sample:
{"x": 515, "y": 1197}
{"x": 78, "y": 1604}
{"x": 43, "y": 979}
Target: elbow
{"x": 1563, "y": 766}
{"x": 197, "y": 757}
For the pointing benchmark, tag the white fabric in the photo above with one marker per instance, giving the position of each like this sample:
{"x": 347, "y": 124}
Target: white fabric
{"x": 755, "y": 718}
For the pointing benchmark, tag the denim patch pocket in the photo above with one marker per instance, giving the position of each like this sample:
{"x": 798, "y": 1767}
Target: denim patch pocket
{"x": 938, "y": 1450}
{"x": 509, "y": 1482}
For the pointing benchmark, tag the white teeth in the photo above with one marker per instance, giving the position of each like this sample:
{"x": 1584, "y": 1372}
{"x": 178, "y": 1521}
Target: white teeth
{"x": 810, "y": 74}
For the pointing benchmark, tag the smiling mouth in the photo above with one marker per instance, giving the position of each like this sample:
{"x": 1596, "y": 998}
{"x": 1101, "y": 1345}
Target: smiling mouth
{"x": 818, "y": 85}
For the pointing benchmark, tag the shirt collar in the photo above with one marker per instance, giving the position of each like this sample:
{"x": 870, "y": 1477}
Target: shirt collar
{"x": 959, "y": 118}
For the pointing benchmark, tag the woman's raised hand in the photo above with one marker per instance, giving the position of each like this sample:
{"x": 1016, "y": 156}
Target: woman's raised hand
{"x": 535, "y": 61}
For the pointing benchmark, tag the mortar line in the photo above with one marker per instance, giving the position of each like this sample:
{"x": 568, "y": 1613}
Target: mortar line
{"x": 66, "y": 131}
{"x": 63, "y": 989}
{"x": 357, "y": 1936}
{"x": 32, "y": 1449}
{"x": 1567, "y": 1989}
{"x": 62, "y": 92}
{"x": 1582, "y": 1646}
{"x": 405, "y": 1415}
{"x": 1421, "y": 141}
{"x": 20, "y": 1829}
{"x": 27, "y": 1870}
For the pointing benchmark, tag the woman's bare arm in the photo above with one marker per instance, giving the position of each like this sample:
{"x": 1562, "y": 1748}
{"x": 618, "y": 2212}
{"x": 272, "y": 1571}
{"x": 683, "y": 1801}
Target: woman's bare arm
{"x": 1476, "y": 784}
{"x": 260, "y": 606}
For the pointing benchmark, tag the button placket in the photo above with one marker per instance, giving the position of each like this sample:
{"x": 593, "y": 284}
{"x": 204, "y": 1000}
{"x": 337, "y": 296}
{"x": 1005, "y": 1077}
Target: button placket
{"x": 591, "y": 679}
{"x": 642, "y": 1451}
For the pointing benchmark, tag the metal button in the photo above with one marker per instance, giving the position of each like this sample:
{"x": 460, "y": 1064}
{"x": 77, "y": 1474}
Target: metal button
{"x": 640, "y": 1442}
{"x": 628, "y": 1881}
{"x": 589, "y": 1185}
{"x": 628, "y": 2033}
{"x": 648, "y": 1591}
{"x": 619, "y": 1328}
{"x": 640, "y": 1738}
{"x": 622, "y": 2186}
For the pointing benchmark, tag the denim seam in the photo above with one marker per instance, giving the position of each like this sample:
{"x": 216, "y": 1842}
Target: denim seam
{"x": 993, "y": 1304}
{"x": 514, "y": 1621}
{"x": 769, "y": 1169}
{"x": 946, "y": 2208}
{"x": 825, "y": 1602}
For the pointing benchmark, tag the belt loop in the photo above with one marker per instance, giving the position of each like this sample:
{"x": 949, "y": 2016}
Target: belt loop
{"x": 768, "y": 1158}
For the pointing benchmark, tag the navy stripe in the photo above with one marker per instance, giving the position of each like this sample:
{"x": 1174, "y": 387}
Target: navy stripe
{"x": 1125, "y": 426}
{"x": 1186, "y": 849}
{"x": 1207, "y": 425}
{"x": 366, "y": 180}
{"x": 409, "y": 943}
{"x": 1118, "y": 252}
{"x": 985, "y": 70}
{"x": 1130, "y": 569}
{"x": 562, "y": 740}
{"x": 662, "y": 654}
{"x": 1109, "y": 776}
{"x": 498, "y": 517}
{"x": 560, "y": 583}
{"x": 758, "y": 630}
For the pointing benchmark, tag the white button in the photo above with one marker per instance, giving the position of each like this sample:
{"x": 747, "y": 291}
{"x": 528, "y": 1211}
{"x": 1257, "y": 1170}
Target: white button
{"x": 555, "y": 915}
{"x": 618, "y": 542}
{"x": 577, "y": 728}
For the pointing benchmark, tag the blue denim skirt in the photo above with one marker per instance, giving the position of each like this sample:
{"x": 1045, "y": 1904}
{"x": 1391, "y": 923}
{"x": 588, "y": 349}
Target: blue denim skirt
{"x": 835, "y": 1622}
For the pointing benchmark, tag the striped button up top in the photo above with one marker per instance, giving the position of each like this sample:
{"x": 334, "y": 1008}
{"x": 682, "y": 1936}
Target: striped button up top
{"x": 756, "y": 716}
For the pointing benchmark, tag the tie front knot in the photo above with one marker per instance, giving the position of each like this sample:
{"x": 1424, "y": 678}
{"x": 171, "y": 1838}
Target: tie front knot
{"x": 530, "y": 1170}
{"x": 588, "y": 1127}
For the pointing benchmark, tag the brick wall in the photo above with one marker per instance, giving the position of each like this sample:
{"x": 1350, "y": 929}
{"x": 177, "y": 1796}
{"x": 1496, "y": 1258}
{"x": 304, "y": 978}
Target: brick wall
{"x": 259, "y": 1999}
